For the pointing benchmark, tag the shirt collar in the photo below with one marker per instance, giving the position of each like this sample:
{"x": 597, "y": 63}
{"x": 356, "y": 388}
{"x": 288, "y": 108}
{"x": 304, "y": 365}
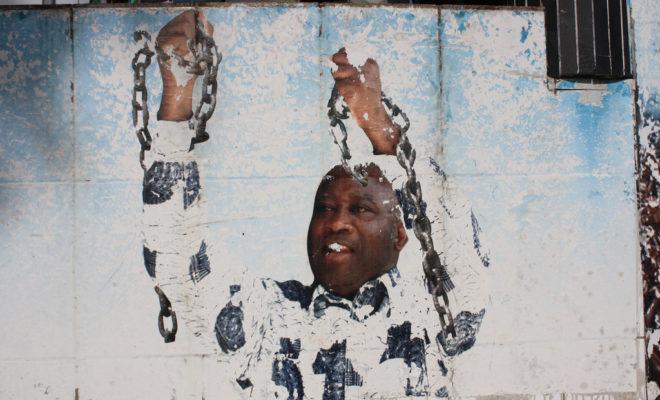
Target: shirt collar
{"x": 372, "y": 297}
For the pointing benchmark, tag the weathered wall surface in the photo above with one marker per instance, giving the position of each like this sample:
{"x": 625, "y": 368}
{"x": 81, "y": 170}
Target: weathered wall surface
{"x": 37, "y": 196}
{"x": 646, "y": 16}
{"x": 539, "y": 168}
{"x": 548, "y": 174}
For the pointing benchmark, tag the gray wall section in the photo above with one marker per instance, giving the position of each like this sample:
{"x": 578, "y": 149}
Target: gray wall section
{"x": 37, "y": 213}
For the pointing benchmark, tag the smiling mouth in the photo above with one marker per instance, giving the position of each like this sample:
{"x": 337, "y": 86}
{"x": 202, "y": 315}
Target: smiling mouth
{"x": 336, "y": 248}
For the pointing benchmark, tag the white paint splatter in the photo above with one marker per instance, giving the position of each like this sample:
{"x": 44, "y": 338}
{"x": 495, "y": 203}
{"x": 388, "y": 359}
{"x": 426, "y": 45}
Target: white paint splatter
{"x": 336, "y": 247}
{"x": 181, "y": 75}
{"x": 360, "y": 51}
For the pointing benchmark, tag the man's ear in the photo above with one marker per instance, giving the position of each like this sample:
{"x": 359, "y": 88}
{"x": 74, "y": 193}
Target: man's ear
{"x": 401, "y": 236}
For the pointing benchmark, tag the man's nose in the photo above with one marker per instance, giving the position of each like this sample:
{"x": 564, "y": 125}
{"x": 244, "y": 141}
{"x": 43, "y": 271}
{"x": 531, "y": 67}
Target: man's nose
{"x": 340, "y": 221}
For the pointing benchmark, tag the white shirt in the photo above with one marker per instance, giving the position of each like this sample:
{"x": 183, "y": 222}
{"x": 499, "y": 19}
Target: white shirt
{"x": 291, "y": 341}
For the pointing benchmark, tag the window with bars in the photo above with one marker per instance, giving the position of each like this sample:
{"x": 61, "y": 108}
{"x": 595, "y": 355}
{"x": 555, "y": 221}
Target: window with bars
{"x": 587, "y": 39}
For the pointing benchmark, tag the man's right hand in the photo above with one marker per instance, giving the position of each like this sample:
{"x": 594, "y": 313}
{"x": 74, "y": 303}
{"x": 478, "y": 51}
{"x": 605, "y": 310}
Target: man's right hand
{"x": 360, "y": 87}
{"x": 176, "y": 102}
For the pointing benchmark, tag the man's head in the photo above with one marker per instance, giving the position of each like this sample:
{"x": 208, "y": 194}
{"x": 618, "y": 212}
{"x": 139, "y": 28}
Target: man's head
{"x": 355, "y": 234}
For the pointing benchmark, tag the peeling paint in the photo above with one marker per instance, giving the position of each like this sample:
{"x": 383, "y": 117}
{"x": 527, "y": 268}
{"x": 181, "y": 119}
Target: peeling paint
{"x": 645, "y": 16}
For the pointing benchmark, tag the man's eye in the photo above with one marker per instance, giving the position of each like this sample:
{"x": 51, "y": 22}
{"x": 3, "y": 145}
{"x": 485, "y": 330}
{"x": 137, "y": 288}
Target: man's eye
{"x": 360, "y": 209}
{"x": 320, "y": 208}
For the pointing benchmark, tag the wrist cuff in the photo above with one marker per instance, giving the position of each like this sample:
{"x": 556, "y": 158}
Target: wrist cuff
{"x": 172, "y": 139}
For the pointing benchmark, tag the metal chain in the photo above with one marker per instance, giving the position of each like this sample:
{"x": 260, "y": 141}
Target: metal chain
{"x": 166, "y": 312}
{"x": 435, "y": 272}
{"x": 141, "y": 60}
{"x": 206, "y": 60}
{"x": 336, "y": 120}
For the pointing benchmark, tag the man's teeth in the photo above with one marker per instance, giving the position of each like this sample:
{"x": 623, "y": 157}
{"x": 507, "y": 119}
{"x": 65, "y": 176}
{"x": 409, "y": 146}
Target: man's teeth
{"x": 336, "y": 247}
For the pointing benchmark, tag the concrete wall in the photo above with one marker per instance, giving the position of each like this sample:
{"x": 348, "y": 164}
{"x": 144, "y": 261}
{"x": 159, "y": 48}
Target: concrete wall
{"x": 537, "y": 165}
{"x": 546, "y": 169}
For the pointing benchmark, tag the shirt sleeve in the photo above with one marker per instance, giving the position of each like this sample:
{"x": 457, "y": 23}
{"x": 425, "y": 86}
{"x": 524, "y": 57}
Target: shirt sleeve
{"x": 243, "y": 335}
{"x": 457, "y": 239}
{"x": 175, "y": 238}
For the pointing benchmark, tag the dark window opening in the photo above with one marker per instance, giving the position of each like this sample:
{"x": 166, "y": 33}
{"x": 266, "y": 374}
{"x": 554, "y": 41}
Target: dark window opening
{"x": 587, "y": 39}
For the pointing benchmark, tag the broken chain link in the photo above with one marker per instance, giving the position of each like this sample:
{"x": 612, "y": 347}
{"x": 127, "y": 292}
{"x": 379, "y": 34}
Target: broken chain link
{"x": 166, "y": 312}
{"x": 435, "y": 272}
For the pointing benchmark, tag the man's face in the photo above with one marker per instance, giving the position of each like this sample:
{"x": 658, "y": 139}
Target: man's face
{"x": 355, "y": 234}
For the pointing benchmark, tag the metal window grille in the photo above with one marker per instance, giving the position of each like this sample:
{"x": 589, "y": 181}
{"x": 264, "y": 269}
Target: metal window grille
{"x": 587, "y": 39}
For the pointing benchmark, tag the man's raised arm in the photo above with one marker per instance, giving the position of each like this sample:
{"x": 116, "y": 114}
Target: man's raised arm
{"x": 361, "y": 89}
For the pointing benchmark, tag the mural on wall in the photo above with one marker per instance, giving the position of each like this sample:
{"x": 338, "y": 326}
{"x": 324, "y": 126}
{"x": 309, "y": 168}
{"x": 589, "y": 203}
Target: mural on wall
{"x": 252, "y": 232}
{"x": 359, "y": 329}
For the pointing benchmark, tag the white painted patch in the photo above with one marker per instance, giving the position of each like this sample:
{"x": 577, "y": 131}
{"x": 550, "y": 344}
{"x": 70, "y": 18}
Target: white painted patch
{"x": 591, "y": 94}
{"x": 181, "y": 75}
{"x": 359, "y": 51}
{"x": 653, "y": 340}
